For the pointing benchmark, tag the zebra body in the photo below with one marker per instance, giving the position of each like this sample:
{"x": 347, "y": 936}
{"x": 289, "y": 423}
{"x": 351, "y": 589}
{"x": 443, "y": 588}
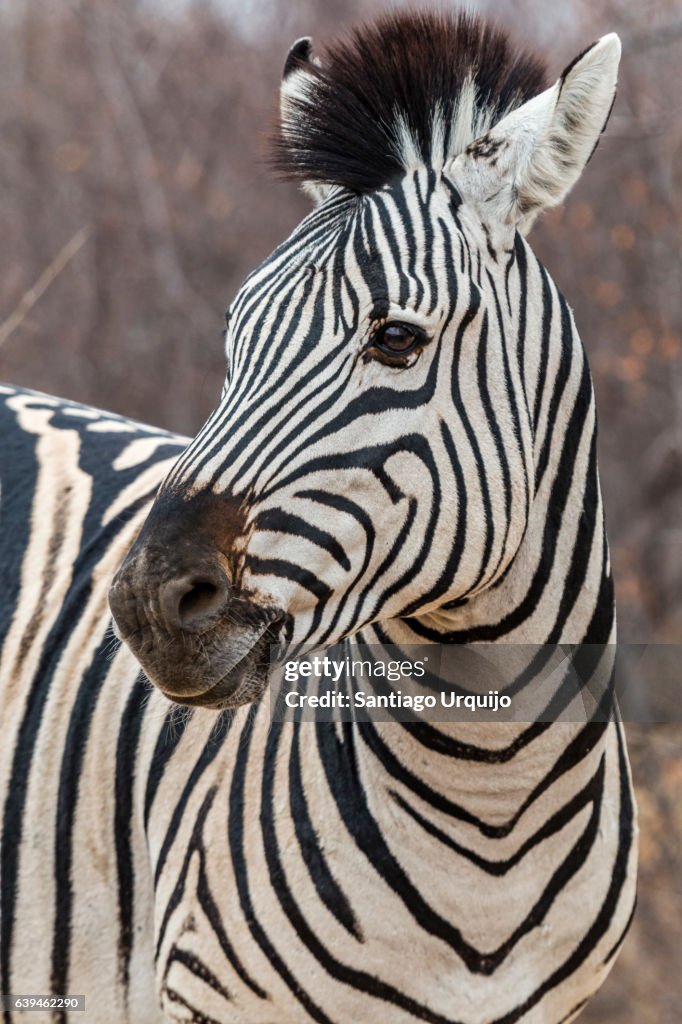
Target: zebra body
{"x": 141, "y": 831}
{"x": 429, "y": 477}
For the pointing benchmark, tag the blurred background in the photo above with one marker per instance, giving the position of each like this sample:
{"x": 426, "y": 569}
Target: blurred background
{"x": 135, "y": 196}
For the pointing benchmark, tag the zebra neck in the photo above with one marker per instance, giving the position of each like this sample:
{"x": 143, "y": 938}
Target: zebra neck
{"x": 557, "y": 590}
{"x": 472, "y": 771}
{"x": 468, "y": 773}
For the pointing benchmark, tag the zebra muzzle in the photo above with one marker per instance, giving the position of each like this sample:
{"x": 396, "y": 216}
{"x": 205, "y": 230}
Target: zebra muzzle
{"x": 197, "y": 639}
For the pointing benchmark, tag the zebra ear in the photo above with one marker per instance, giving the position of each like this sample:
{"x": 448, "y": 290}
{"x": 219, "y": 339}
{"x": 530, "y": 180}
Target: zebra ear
{"x": 297, "y": 84}
{"x": 533, "y": 156}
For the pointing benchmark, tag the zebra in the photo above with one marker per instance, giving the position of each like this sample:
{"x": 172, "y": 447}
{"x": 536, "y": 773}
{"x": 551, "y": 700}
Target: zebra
{"x": 403, "y": 452}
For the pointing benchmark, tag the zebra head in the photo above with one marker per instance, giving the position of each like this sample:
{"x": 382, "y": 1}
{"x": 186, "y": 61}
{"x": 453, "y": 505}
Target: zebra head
{"x": 373, "y": 455}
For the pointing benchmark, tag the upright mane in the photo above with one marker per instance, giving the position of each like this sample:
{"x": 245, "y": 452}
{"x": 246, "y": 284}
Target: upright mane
{"x": 409, "y": 88}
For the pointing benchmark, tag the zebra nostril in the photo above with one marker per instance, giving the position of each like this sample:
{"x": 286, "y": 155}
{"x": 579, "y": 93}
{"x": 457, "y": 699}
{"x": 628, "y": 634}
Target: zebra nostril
{"x": 191, "y": 602}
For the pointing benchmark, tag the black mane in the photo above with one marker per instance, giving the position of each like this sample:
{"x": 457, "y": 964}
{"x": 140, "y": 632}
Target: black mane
{"x": 344, "y": 121}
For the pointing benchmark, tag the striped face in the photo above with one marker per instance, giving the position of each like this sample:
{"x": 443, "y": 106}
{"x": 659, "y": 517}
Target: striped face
{"x": 373, "y": 427}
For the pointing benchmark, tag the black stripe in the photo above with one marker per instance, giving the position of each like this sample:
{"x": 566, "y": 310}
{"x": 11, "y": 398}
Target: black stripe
{"x": 592, "y": 792}
{"x": 280, "y": 521}
{"x": 359, "y": 980}
{"x": 126, "y": 757}
{"x": 236, "y": 840}
{"x": 602, "y": 921}
{"x": 204, "y": 898}
{"x": 329, "y": 891}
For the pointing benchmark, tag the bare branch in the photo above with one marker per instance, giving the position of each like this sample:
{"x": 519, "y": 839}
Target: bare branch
{"x": 52, "y": 271}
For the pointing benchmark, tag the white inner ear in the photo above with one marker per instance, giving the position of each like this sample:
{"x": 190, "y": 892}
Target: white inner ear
{"x": 317, "y": 190}
{"x": 300, "y": 85}
{"x": 533, "y": 156}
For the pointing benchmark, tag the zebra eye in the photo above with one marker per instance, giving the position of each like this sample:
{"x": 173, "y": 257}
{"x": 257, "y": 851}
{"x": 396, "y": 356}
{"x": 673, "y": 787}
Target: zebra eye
{"x": 396, "y": 339}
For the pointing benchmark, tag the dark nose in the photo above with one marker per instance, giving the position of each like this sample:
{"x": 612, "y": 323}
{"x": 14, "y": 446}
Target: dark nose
{"x": 192, "y": 602}
{"x": 187, "y": 600}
